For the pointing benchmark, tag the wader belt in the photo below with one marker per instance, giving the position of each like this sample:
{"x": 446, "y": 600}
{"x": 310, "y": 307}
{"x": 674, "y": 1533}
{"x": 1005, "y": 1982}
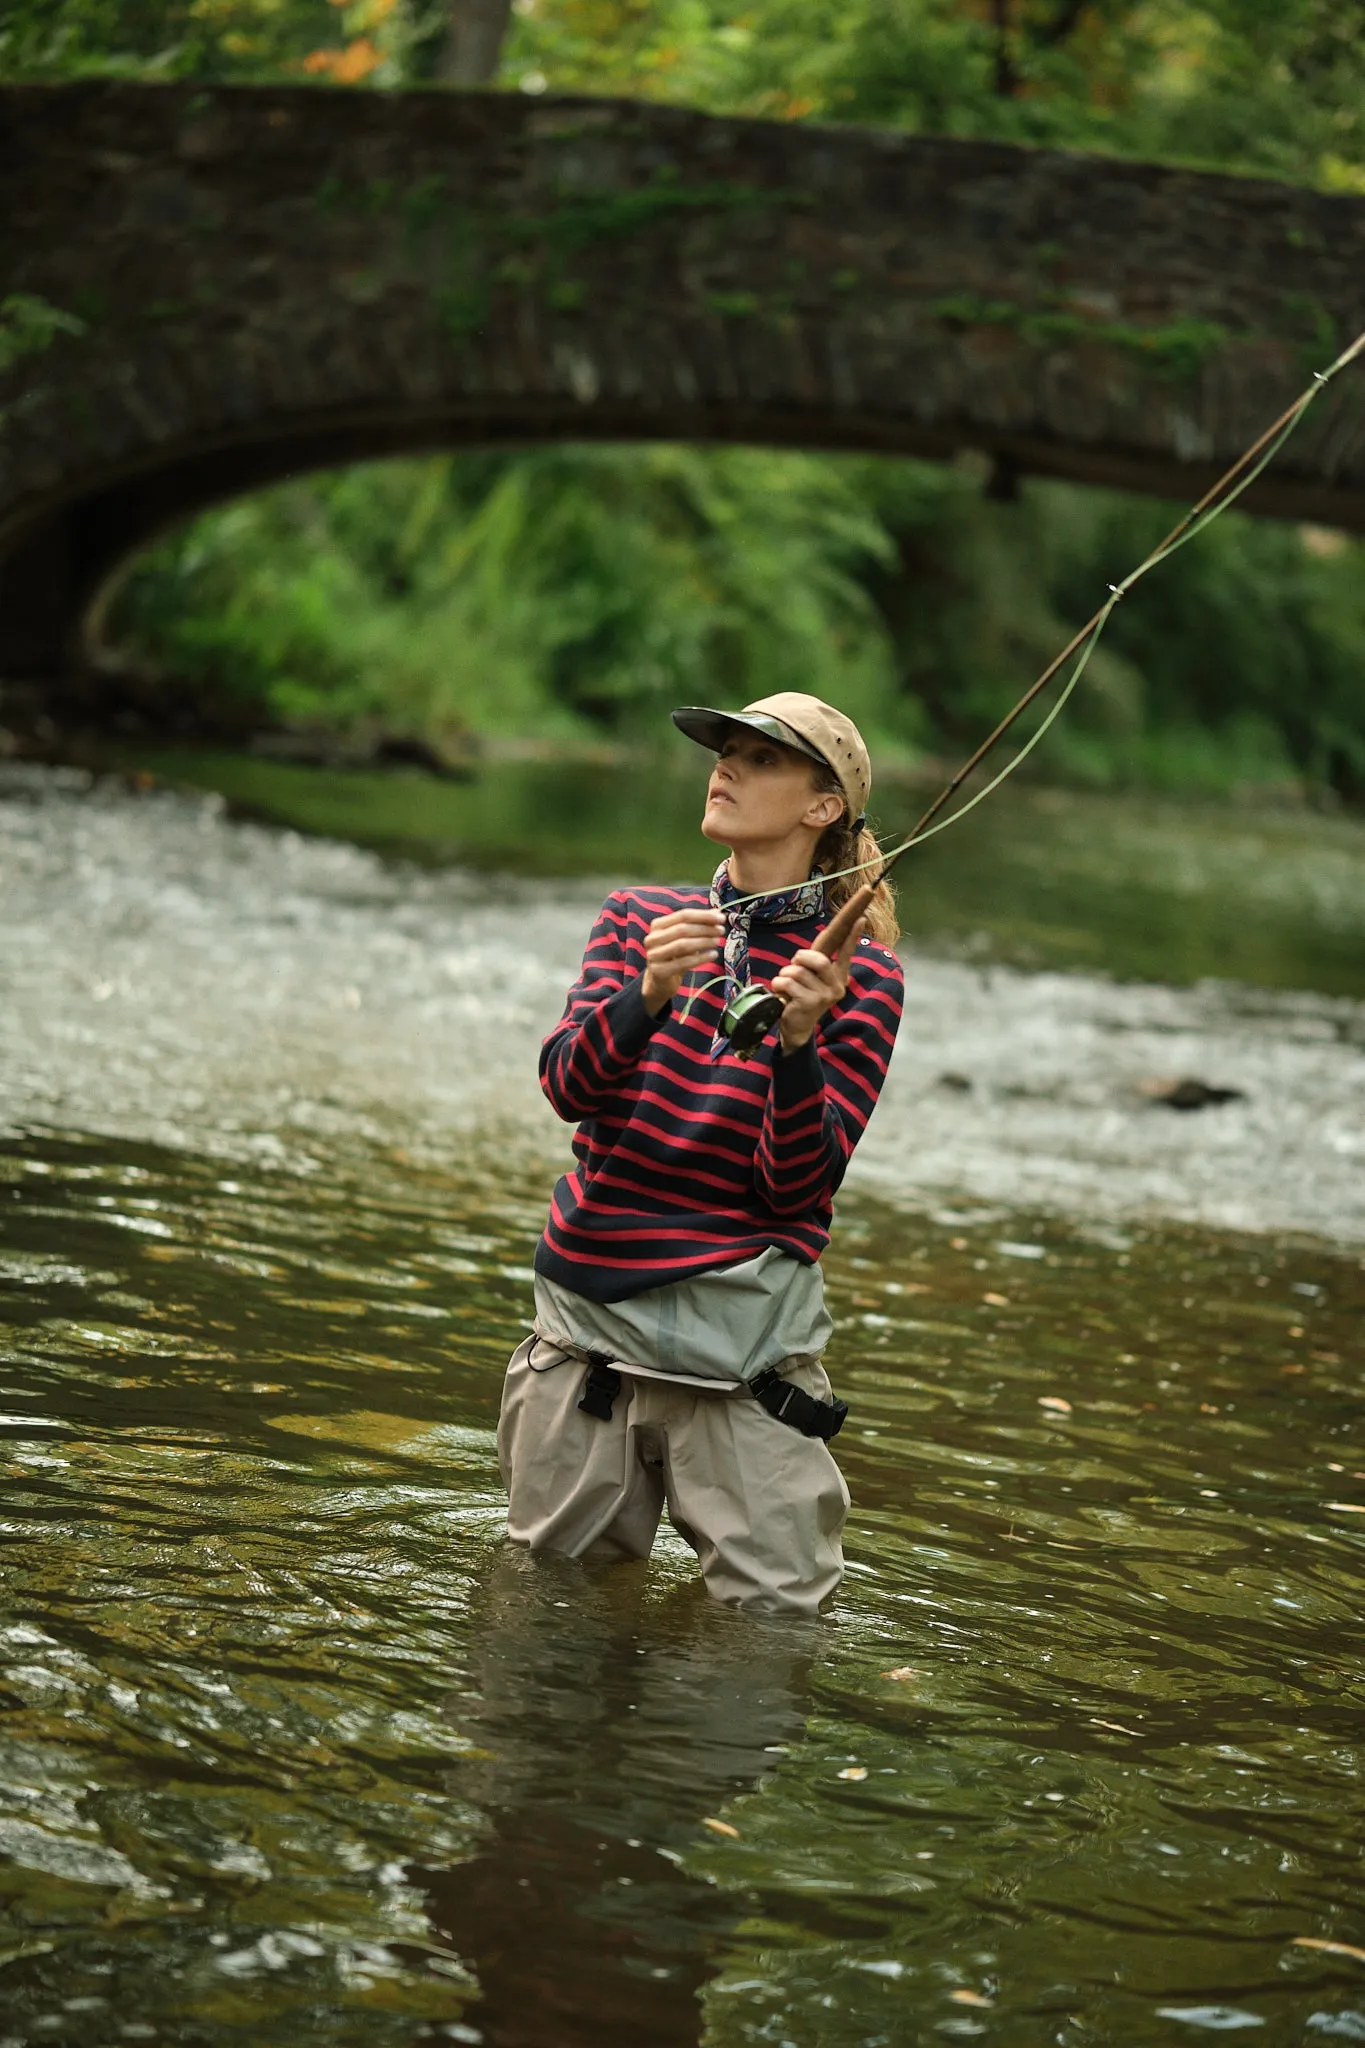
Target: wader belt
{"x": 601, "y": 1387}
{"x": 795, "y": 1407}
{"x": 788, "y": 1403}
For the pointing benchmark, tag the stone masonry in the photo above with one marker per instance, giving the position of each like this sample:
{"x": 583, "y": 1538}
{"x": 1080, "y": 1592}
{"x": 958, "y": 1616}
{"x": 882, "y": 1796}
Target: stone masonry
{"x": 204, "y": 291}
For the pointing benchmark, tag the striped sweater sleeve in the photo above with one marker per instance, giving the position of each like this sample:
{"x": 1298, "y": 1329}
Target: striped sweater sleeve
{"x": 605, "y": 1026}
{"x": 823, "y": 1093}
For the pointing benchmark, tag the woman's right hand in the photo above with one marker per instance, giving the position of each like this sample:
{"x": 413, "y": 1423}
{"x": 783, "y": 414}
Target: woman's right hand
{"x": 674, "y": 945}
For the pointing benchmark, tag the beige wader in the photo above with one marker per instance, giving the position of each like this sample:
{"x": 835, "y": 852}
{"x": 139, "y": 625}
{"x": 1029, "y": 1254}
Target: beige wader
{"x": 761, "y": 1505}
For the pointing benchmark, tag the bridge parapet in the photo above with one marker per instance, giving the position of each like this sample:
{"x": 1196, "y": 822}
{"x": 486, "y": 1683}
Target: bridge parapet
{"x": 204, "y": 291}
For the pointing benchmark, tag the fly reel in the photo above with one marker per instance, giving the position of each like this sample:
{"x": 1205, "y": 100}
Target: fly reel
{"x": 753, "y": 1010}
{"x": 749, "y": 1016}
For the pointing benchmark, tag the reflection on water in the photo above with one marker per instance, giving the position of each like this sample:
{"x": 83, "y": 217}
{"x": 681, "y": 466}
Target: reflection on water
{"x": 611, "y": 1721}
{"x": 295, "y": 1751}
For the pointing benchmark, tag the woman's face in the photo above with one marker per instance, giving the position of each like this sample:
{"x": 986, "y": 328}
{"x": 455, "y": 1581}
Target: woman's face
{"x": 762, "y": 793}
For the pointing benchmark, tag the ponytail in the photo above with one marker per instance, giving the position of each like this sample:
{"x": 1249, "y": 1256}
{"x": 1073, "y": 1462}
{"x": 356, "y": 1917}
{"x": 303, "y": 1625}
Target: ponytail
{"x": 839, "y": 848}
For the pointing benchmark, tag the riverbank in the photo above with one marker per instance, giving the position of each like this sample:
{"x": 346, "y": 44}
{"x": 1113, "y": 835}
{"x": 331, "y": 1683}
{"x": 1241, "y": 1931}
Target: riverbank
{"x": 178, "y": 977}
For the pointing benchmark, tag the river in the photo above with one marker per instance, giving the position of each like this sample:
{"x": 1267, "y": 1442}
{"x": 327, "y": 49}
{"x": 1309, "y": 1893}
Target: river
{"x": 295, "y": 1751}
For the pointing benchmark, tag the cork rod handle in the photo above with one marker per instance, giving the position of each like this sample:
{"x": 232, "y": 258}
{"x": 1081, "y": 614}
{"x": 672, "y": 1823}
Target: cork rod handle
{"x": 844, "y": 919}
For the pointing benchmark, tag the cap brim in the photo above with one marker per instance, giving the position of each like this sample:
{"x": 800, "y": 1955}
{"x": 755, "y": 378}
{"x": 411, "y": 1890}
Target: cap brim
{"x": 713, "y": 728}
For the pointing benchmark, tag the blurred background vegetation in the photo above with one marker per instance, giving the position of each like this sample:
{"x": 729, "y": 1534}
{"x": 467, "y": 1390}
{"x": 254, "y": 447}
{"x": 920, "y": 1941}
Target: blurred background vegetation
{"x": 567, "y": 593}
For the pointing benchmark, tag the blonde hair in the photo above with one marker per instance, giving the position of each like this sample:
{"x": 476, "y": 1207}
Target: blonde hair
{"x": 841, "y": 847}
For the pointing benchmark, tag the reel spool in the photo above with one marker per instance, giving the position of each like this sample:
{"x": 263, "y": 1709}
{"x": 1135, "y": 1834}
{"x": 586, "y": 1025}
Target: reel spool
{"x": 749, "y": 1016}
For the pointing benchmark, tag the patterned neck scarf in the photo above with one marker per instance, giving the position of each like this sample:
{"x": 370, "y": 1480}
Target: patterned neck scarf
{"x": 781, "y": 906}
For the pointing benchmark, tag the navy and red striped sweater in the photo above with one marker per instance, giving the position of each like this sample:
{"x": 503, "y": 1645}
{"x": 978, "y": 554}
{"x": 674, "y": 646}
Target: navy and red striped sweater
{"x": 685, "y": 1164}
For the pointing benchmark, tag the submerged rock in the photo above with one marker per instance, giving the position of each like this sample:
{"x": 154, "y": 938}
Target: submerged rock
{"x": 1190, "y": 1093}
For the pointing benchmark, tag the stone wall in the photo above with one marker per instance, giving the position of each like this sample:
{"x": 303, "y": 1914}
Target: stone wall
{"x": 202, "y": 291}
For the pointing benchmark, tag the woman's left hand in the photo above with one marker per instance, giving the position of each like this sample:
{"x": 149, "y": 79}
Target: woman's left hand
{"x": 811, "y": 983}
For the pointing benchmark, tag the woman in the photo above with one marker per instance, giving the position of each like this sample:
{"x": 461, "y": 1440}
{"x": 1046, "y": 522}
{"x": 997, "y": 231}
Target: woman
{"x": 680, "y": 1264}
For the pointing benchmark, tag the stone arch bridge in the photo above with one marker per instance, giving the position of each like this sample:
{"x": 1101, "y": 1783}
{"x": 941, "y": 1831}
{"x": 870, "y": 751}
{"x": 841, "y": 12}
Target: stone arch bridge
{"x": 204, "y": 291}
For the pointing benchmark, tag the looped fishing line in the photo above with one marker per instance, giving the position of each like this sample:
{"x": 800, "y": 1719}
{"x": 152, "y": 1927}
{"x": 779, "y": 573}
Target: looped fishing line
{"x": 1229, "y": 487}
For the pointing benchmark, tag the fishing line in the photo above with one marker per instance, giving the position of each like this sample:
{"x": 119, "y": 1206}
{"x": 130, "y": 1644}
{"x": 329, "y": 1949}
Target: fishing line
{"x": 1210, "y": 507}
{"x": 754, "y": 1008}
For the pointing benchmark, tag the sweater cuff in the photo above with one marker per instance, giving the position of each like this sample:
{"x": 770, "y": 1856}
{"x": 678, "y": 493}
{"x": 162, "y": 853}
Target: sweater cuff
{"x": 797, "y": 1075}
{"x": 629, "y": 1022}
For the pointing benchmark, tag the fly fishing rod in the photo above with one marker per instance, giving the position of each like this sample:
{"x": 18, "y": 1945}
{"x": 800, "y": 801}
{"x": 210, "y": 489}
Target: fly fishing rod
{"x": 752, "y": 1010}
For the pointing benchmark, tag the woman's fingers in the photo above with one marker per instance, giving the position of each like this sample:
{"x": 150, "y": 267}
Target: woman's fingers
{"x": 674, "y": 952}
{"x": 705, "y": 923}
{"x": 810, "y": 984}
{"x": 675, "y": 944}
{"x": 812, "y": 996}
{"x": 684, "y": 938}
{"x": 814, "y": 973}
{"x": 696, "y": 928}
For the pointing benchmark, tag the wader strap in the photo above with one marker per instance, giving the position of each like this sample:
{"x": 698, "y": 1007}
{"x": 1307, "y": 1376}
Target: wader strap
{"x": 600, "y": 1388}
{"x": 798, "y": 1409}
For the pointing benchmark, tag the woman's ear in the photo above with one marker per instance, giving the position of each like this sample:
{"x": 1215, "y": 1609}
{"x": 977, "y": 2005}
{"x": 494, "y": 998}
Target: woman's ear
{"x": 826, "y": 809}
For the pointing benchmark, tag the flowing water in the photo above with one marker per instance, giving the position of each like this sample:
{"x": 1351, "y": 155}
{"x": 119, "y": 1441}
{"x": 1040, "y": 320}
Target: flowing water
{"x": 294, "y": 1750}
{"x": 1133, "y": 886}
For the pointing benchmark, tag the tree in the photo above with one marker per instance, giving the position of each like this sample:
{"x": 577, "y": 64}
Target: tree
{"x": 474, "y": 40}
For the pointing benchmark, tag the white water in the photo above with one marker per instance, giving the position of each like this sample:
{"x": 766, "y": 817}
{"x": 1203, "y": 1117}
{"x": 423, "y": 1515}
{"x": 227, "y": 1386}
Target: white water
{"x": 170, "y": 975}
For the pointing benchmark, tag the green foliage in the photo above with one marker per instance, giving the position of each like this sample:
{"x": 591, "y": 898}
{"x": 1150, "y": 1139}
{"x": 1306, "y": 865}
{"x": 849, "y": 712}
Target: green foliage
{"x": 576, "y": 591}
{"x": 29, "y": 326}
{"x": 1270, "y": 86}
{"x": 211, "y": 39}
{"x": 565, "y": 591}
{"x": 1275, "y": 86}
{"x": 572, "y": 592}
{"x": 1240, "y": 661}
{"x": 1258, "y": 629}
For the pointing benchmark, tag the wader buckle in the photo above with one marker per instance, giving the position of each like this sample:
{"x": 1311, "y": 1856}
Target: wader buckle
{"x": 600, "y": 1388}
{"x": 798, "y": 1409}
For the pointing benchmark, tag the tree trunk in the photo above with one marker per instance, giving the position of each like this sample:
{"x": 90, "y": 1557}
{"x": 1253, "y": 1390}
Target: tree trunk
{"x": 1006, "y": 77}
{"x": 1066, "y": 20}
{"x": 474, "y": 43}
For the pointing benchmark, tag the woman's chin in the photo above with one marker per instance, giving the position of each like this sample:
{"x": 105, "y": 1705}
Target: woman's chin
{"x": 718, "y": 823}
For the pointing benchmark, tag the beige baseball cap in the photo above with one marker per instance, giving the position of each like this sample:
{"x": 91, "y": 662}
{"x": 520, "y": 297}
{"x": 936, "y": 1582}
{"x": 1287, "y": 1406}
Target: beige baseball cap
{"x": 806, "y": 723}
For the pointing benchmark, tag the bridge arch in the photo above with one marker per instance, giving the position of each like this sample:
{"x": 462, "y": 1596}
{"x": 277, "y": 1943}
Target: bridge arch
{"x": 202, "y": 292}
